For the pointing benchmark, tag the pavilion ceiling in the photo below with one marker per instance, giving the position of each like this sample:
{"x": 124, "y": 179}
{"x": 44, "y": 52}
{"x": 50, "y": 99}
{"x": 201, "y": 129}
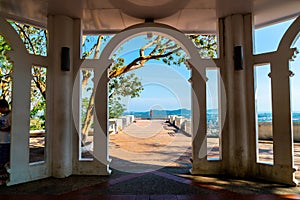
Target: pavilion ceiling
{"x": 114, "y": 15}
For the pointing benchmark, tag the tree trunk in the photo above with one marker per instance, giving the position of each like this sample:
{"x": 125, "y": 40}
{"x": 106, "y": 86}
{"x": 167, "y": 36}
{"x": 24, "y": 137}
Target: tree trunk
{"x": 89, "y": 112}
{"x": 88, "y": 119}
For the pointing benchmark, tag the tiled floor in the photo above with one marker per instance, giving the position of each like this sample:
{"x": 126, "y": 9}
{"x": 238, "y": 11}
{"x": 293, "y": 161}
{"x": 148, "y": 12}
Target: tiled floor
{"x": 158, "y": 184}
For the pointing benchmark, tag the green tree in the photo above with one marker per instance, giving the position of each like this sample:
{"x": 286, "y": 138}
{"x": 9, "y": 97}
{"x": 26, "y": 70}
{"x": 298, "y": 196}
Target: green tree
{"x": 124, "y": 85}
{"x": 5, "y": 71}
{"x": 127, "y": 85}
{"x": 115, "y": 108}
{"x": 35, "y": 41}
{"x": 167, "y": 51}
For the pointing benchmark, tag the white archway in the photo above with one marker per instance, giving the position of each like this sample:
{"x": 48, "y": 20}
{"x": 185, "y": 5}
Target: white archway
{"x": 282, "y": 170}
{"x": 198, "y": 67}
{"x": 20, "y": 168}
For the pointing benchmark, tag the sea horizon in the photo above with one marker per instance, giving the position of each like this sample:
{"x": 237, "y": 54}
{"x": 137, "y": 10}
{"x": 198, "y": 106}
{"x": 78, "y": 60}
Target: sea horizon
{"x": 212, "y": 114}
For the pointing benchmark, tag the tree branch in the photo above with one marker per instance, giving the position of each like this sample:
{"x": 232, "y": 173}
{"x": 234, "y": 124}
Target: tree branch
{"x": 26, "y": 36}
{"x": 137, "y": 63}
{"x": 142, "y": 50}
{"x": 98, "y": 44}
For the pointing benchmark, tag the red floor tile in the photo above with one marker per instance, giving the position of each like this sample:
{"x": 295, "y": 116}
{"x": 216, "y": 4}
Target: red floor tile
{"x": 142, "y": 197}
{"x": 291, "y": 196}
{"x": 28, "y": 197}
{"x": 122, "y": 197}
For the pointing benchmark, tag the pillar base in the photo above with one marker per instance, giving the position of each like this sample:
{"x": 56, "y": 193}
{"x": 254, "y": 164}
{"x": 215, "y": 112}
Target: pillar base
{"x": 278, "y": 173}
{"x": 204, "y": 166}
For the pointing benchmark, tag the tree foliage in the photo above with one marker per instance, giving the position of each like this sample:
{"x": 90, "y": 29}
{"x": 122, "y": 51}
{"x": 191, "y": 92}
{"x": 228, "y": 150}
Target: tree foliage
{"x": 5, "y": 70}
{"x": 125, "y": 85}
{"x": 35, "y": 41}
{"x": 115, "y": 107}
{"x": 167, "y": 51}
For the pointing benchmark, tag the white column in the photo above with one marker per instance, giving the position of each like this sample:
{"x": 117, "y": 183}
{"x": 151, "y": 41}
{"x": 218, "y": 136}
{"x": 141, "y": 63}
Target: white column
{"x": 200, "y": 163}
{"x": 199, "y": 128}
{"x": 61, "y": 35}
{"x": 101, "y": 136}
{"x": 282, "y": 127}
{"x": 239, "y": 93}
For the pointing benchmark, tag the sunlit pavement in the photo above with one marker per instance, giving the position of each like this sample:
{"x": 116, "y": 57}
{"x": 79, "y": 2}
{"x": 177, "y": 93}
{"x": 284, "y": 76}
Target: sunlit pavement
{"x": 148, "y": 145}
{"x": 266, "y": 154}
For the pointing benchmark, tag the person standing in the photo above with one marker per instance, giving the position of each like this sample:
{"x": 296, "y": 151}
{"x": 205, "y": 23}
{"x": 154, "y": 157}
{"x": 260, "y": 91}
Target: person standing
{"x": 150, "y": 113}
{"x": 5, "y": 126}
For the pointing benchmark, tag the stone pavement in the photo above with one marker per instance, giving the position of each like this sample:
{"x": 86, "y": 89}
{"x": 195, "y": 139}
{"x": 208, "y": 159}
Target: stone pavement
{"x": 148, "y": 145}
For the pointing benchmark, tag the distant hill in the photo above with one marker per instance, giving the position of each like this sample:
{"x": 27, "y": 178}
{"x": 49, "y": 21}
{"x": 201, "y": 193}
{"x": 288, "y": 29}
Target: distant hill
{"x": 212, "y": 114}
{"x": 212, "y": 111}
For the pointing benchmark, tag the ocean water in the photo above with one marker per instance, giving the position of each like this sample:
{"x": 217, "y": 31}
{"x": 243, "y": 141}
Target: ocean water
{"x": 160, "y": 113}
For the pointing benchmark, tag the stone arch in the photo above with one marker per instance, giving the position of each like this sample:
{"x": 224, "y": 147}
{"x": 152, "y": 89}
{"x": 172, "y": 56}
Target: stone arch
{"x": 198, "y": 67}
{"x": 285, "y": 49}
{"x": 290, "y": 35}
{"x": 11, "y": 35}
{"x": 282, "y": 170}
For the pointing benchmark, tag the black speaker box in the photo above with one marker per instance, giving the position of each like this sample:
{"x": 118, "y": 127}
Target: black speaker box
{"x": 65, "y": 59}
{"x": 238, "y": 58}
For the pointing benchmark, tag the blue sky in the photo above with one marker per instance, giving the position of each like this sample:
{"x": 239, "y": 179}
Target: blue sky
{"x": 156, "y": 94}
{"x": 165, "y": 87}
{"x": 267, "y": 40}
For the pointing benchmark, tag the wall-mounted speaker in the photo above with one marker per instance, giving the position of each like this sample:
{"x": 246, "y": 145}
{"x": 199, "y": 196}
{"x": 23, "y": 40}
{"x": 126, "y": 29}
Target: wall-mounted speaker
{"x": 238, "y": 58}
{"x": 147, "y": 20}
{"x": 65, "y": 59}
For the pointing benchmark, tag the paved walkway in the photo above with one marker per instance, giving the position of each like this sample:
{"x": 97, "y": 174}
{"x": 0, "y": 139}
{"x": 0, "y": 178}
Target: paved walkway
{"x": 148, "y": 145}
{"x": 266, "y": 154}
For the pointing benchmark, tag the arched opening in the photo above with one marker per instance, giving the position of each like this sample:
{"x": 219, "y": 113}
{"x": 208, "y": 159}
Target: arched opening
{"x": 294, "y": 65}
{"x": 283, "y": 121}
{"x": 152, "y": 140}
{"x": 100, "y": 76}
{"x": 263, "y": 89}
{"x": 101, "y": 73}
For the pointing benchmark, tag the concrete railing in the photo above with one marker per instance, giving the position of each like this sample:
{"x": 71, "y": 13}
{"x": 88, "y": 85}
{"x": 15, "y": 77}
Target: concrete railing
{"x": 265, "y": 131}
{"x": 264, "y": 128}
{"x": 172, "y": 118}
{"x": 181, "y": 123}
{"x": 118, "y": 124}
